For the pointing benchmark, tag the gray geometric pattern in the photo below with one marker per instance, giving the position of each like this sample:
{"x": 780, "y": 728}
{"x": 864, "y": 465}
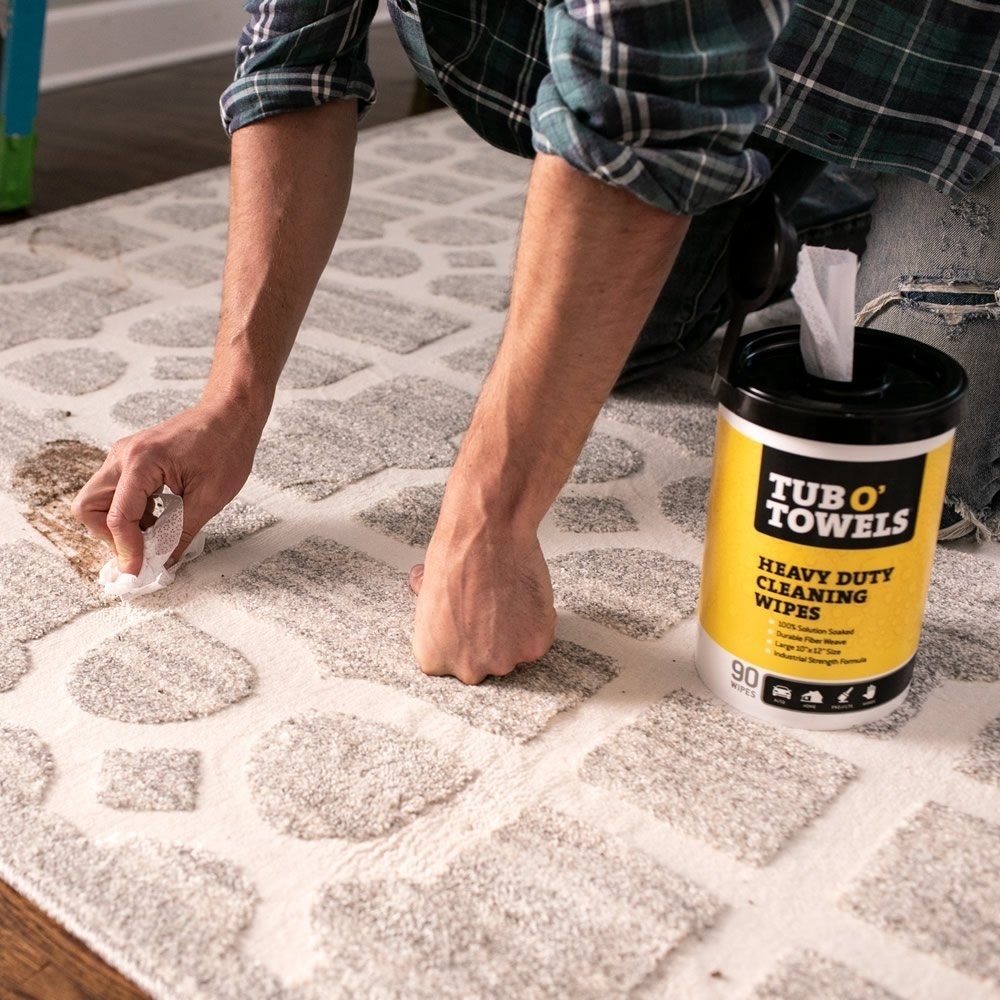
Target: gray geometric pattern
{"x": 14, "y": 663}
{"x": 185, "y": 326}
{"x": 406, "y": 423}
{"x": 188, "y": 266}
{"x": 678, "y": 760}
{"x": 378, "y": 318}
{"x": 376, "y": 261}
{"x": 410, "y": 515}
{"x": 161, "y": 670}
{"x": 355, "y": 614}
{"x": 493, "y": 165}
{"x": 812, "y": 976}
{"x": 593, "y": 514}
{"x": 149, "y": 780}
{"x": 488, "y": 290}
{"x": 605, "y": 458}
{"x": 510, "y": 207}
{"x": 470, "y": 258}
{"x": 74, "y": 372}
{"x": 181, "y": 367}
{"x": 685, "y": 503}
{"x": 191, "y": 215}
{"x": 368, "y": 218}
{"x": 87, "y": 233}
{"x": 38, "y": 592}
{"x": 438, "y": 189}
{"x": 306, "y": 368}
{"x": 639, "y": 593}
{"x": 20, "y": 267}
{"x": 959, "y": 639}
{"x": 25, "y": 432}
{"x": 143, "y": 409}
{"x": 459, "y": 232}
{"x": 237, "y": 520}
{"x": 75, "y": 308}
{"x": 934, "y": 885}
{"x": 321, "y": 776}
{"x": 243, "y": 788}
{"x": 309, "y": 368}
{"x": 982, "y": 759}
{"x": 26, "y": 765}
{"x": 474, "y": 360}
{"x": 523, "y": 909}
{"x": 413, "y": 150}
{"x": 676, "y": 408}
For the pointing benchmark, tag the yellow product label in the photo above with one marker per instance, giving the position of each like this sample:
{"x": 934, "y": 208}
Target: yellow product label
{"x": 815, "y": 567}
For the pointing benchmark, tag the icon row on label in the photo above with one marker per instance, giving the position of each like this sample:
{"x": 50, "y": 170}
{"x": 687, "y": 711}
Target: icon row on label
{"x": 816, "y": 697}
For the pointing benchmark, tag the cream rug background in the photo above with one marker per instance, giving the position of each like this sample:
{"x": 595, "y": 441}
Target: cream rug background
{"x": 241, "y": 787}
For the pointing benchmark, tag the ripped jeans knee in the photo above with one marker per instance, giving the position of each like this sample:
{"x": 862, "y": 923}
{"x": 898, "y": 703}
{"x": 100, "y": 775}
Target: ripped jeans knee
{"x": 953, "y": 300}
{"x": 932, "y": 272}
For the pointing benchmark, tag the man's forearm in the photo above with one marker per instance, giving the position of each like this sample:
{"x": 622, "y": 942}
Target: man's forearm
{"x": 590, "y": 263}
{"x": 290, "y": 181}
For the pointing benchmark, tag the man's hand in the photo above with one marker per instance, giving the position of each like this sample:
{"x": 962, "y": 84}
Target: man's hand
{"x": 484, "y": 603}
{"x": 289, "y": 182}
{"x": 203, "y": 454}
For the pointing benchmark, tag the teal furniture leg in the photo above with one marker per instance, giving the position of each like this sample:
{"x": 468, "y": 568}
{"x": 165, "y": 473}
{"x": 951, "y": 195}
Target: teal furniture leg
{"x": 20, "y": 66}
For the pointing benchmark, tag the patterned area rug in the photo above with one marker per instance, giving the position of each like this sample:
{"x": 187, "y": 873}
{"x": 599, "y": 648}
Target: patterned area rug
{"x": 241, "y": 786}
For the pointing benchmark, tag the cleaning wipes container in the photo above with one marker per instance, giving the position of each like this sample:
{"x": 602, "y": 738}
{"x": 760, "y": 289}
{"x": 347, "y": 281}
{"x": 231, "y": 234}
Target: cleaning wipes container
{"x": 824, "y": 508}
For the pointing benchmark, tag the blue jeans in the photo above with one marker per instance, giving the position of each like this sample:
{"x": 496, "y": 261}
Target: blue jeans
{"x": 932, "y": 272}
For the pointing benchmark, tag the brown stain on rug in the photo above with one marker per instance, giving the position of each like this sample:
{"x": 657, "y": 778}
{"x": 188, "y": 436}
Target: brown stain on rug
{"x": 48, "y": 480}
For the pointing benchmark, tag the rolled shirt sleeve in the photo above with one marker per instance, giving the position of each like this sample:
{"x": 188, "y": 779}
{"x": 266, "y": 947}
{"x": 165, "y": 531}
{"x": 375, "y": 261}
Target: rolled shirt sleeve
{"x": 660, "y": 96}
{"x": 297, "y": 54}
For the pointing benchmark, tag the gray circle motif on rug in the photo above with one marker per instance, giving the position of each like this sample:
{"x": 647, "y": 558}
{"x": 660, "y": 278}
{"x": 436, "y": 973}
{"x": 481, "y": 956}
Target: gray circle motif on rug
{"x": 161, "y": 670}
{"x": 26, "y": 766}
{"x": 317, "y": 776}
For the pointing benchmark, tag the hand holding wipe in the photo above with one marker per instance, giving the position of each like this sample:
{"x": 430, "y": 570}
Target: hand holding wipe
{"x": 158, "y": 542}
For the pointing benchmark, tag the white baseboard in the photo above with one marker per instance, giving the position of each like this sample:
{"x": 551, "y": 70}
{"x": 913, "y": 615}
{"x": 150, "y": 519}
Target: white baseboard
{"x": 94, "y": 41}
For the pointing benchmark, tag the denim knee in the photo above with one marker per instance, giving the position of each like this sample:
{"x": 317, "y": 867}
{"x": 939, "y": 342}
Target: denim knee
{"x": 932, "y": 272}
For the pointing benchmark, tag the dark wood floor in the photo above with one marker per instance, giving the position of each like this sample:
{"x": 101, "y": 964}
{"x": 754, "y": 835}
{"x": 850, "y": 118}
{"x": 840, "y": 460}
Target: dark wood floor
{"x": 41, "y": 961}
{"x": 94, "y": 141}
{"x": 113, "y": 136}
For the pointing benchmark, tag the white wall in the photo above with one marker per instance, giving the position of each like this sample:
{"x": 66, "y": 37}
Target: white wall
{"x": 87, "y": 41}
{"x": 91, "y": 41}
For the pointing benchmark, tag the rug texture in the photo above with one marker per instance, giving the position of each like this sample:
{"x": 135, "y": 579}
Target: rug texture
{"x": 242, "y": 787}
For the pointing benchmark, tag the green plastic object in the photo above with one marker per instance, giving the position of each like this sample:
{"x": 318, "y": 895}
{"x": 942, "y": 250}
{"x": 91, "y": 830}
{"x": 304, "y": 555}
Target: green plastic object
{"x": 17, "y": 161}
{"x": 22, "y": 29}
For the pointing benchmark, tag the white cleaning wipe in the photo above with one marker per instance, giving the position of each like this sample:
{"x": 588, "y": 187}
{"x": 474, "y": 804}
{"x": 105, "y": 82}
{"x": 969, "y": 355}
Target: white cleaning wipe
{"x": 158, "y": 541}
{"x": 824, "y": 292}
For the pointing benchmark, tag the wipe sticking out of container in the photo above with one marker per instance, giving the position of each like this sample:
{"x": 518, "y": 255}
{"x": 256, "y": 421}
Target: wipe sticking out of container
{"x": 823, "y": 513}
{"x": 824, "y": 292}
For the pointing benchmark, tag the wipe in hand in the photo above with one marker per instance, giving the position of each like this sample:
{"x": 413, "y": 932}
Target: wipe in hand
{"x": 158, "y": 542}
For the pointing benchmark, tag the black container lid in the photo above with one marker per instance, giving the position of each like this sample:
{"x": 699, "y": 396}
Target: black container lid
{"x": 902, "y": 390}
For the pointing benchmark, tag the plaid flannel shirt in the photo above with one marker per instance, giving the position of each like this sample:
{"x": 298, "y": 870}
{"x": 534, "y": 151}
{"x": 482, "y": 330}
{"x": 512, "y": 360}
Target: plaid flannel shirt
{"x": 660, "y": 96}
{"x": 895, "y": 86}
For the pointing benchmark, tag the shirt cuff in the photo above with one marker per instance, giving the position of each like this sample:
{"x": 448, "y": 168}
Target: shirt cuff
{"x": 666, "y": 118}
{"x": 298, "y": 54}
{"x": 272, "y": 92}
